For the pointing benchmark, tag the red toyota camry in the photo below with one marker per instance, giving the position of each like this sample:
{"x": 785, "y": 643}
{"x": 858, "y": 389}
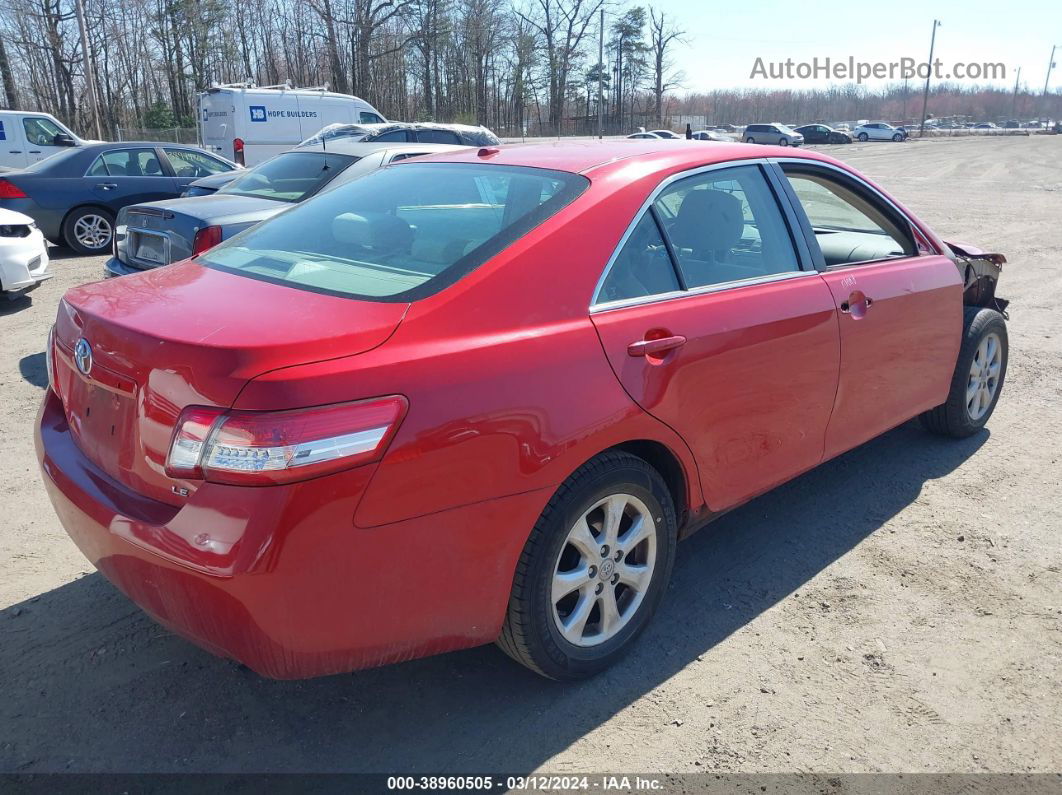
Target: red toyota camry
{"x": 479, "y": 397}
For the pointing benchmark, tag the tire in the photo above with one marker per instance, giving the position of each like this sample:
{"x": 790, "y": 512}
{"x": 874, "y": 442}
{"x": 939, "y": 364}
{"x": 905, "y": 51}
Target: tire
{"x": 532, "y": 633}
{"x": 783, "y": 142}
{"x": 959, "y": 416}
{"x": 898, "y": 138}
{"x": 863, "y": 138}
{"x": 750, "y": 140}
{"x": 87, "y": 225}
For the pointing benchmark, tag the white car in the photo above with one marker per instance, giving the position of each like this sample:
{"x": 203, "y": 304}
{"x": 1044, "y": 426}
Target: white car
{"x": 879, "y": 131}
{"x": 23, "y": 254}
{"x": 712, "y": 135}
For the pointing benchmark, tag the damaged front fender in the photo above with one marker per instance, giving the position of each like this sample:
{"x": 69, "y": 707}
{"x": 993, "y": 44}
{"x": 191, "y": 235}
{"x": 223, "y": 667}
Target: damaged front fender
{"x": 980, "y": 272}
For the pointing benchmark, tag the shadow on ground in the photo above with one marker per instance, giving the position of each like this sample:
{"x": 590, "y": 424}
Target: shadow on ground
{"x": 89, "y": 683}
{"x": 34, "y": 369}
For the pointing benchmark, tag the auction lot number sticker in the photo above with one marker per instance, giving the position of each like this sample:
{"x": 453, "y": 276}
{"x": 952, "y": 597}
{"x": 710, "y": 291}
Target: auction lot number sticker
{"x": 525, "y": 783}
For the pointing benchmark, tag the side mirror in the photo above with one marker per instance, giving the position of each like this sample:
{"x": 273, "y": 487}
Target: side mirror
{"x": 62, "y": 139}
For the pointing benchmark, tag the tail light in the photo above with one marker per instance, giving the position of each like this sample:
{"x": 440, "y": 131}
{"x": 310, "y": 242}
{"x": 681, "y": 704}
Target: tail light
{"x": 237, "y": 150}
{"x": 259, "y": 448}
{"x": 9, "y": 190}
{"x": 206, "y": 238}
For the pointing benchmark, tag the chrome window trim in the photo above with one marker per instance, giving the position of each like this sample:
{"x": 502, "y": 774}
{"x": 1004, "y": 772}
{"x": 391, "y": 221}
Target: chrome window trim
{"x": 707, "y": 289}
{"x": 869, "y": 188}
{"x": 595, "y": 305}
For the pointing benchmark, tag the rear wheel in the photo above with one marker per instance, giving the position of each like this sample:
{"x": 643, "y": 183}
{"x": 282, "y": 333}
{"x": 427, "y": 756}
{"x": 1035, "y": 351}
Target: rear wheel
{"x": 978, "y": 378}
{"x": 89, "y": 230}
{"x": 594, "y": 569}
{"x": 750, "y": 140}
{"x": 863, "y": 137}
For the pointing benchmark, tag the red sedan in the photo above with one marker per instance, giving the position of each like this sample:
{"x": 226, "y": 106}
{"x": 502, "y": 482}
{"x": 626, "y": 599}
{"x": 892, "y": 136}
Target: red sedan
{"x": 479, "y": 397}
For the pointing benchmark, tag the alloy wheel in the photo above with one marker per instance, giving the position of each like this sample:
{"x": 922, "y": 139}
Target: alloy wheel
{"x": 93, "y": 231}
{"x": 604, "y": 570}
{"x": 984, "y": 376}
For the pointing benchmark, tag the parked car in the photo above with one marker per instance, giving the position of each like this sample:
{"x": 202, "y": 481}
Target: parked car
{"x": 480, "y": 396}
{"x": 822, "y": 134}
{"x": 401, "y": 132}
{"x": 712, "y": 135}
{"x": 775, "y": 133}
{"x": 23, "y": 255}
{"x": 879, "y": 131}
{"x": 1012, "y": 124}
{"x": 74, "y": 195}
{"x": 667, "y": 134}
{"x": 212, "y": 184}
{"x": 158, "y": 233}
{"x": 249, "y": 125}
{"x": 645, "y": 135}
{"x": 986, "y": 125}
{"x": 27, "y": 137}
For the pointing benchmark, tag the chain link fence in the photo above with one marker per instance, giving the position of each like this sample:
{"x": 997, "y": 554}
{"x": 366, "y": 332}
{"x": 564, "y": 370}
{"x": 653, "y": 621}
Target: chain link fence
{"x": 176, "y": 135}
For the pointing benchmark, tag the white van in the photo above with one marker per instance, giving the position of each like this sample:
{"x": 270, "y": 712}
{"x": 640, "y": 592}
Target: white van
{"x": 27, "y": 136}
{"x": 248, "y": 125}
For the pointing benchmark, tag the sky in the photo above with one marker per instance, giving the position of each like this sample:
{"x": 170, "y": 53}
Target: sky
{"x": 724, "y": 39}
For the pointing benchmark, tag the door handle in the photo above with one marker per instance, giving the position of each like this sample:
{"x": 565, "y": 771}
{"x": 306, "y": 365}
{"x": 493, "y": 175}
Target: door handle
{"x": 14, "y": 151}
{"x": 35, "y": 151}
{"x": 857, "y": 304}
{"x": 654, "y": 347}
{"x": 107, "y": 185}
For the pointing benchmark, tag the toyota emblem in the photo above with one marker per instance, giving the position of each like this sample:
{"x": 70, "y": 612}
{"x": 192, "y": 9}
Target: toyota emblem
{"x": 83, "y": 356}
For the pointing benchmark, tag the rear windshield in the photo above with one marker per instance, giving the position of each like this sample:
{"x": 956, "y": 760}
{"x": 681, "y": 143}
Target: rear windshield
{"x": 289, "y": 177}
{"x": 399, "y": 233}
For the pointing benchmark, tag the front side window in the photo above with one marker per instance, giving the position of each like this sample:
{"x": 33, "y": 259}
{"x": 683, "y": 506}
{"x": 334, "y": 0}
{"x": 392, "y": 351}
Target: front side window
{"x": 40, "y": 131}
{"x": 725, "y": 226}
{"x": 290, "y": 177}
{"x": 399, "y": 233}
{"x": 848, "y": 226}
{"x": 127, "y": 163}
{"x": 369, "y": 118}
{"x": 189, "y": 163}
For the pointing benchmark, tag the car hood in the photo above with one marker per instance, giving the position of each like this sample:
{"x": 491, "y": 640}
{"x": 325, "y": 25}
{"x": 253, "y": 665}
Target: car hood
{"x": 13, "y": 218}
{"x": 215, "y": 209}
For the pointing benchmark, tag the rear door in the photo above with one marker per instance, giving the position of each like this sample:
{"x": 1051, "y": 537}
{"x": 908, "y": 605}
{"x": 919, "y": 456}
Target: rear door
{"x": 134, "y": 175}
{"x": 898, "y": 303}
{"x": 218, "y": 130}
{"x": 712, "y": 325}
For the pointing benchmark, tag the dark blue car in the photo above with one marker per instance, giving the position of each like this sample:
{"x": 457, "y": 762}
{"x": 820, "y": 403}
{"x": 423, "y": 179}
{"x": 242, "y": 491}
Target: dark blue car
{"x": 75, "y": 195}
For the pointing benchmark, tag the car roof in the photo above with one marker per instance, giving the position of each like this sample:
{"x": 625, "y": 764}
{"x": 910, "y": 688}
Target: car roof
{"x": 346, "y": 146}
{"x": 417, "y": 125}
{"x": 580, "y": 157}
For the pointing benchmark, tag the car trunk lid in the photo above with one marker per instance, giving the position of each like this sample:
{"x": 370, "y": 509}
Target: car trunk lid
{"x": 186, "y": 335}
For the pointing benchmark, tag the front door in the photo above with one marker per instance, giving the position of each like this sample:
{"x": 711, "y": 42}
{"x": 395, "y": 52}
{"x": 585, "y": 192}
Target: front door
{"x": 898, "y": 305}
{"x": 711, "y": 326}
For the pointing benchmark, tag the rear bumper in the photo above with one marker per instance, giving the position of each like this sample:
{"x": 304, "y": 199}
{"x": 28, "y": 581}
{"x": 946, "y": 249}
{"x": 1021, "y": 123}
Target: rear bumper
{"x": 280, "y": 578}
{"x": 23, "y": 263}
{"x": 115, "y": 267}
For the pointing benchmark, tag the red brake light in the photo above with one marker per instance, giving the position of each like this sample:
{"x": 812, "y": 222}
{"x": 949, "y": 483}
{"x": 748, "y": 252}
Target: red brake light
{"x": 206, "y": 238}
{"x": 8, "y": 190}
{"x": 267, "y": 447}
{"x": 237, "y": 150}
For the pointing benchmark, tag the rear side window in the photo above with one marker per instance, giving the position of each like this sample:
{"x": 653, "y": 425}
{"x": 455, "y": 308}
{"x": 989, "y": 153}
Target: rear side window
{"x": 642, "y": 267}
{"x": 290, "y": 177}
{"x": 725, "y": 226}
{"x": 401, "y": 233}
{"x": 394, "y": 135}
{"x": 437, "y": 137}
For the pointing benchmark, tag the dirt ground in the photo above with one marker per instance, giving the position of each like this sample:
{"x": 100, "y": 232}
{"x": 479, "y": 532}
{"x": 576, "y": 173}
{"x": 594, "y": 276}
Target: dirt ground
{"x": 897, "y": 609}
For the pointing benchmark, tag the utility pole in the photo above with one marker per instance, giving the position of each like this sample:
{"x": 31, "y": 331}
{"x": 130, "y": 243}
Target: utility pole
{"x": 90, "y": 80}
{"x": 929, "y": 73}
{"x": 1017, "y": 80}
{"x": 601, "y": 78}
{"x": 1047, "y": 80}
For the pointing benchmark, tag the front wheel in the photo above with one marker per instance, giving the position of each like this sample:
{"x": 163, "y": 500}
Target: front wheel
{"x": 897, "y": 138}
{"x": 593, "y": 570}
{"x": 783, "y": 142}
{"x": 978, "y": 378}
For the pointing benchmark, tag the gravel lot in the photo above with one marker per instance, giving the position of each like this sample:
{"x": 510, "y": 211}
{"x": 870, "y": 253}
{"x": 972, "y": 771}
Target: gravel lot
{"x": 897, "y": 609}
